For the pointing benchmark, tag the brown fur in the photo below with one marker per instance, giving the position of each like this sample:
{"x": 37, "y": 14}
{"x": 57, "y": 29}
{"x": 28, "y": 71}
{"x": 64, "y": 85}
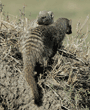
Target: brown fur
{"x": 42, "y": 43}
{"x": 44, "y": 18}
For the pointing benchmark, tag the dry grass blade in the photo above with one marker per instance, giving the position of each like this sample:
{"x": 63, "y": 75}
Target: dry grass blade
{"x": 4, "y": 25}
{"x": 13, "y": 59}
{"x": 84, "y": 22}
{"x": 58, "y": 96}
{"x": 69, "y": 55}
{"x": 6, "y": 54}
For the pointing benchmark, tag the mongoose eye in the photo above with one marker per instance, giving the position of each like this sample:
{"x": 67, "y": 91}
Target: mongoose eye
{"x": 43, "y": 17}
{"x": 52, "y": 15}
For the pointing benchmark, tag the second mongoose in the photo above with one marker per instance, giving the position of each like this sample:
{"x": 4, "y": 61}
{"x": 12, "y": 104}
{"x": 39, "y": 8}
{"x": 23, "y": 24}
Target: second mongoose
{"x": 44, "y": 18}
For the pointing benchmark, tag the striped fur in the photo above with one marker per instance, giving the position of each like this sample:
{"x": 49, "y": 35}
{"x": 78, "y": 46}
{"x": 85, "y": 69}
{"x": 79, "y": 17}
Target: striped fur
{"x": 41, "y": 43}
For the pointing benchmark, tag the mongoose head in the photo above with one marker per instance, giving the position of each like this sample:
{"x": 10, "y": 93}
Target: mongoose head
{"x": 65, "y": 24}
{"x": 69, "y": 27}
{"x": 45, "y": 18}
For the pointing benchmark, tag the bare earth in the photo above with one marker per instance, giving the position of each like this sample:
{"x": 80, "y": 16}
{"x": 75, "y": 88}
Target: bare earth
{"x": 62, "y": 89}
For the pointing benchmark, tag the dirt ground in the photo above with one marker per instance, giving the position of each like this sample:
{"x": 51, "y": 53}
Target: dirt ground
{"x": 64, "y": 91}
{"x": 15, "y": 94}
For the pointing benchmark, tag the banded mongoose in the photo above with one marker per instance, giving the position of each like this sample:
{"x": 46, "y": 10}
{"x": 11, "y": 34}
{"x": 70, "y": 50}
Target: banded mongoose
{"x": 44, "y": 18}
{"x": 42, "y": 43}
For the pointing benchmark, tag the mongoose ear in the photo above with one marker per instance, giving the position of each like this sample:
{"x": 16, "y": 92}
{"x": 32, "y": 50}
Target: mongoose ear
{"x": 40, "y": 12}
{"x": 70, "y": 22}
{"x": 51, "y": 14}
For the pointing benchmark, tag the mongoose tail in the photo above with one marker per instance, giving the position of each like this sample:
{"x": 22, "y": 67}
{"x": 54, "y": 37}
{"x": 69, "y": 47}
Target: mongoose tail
{"x": 29, "y": 76}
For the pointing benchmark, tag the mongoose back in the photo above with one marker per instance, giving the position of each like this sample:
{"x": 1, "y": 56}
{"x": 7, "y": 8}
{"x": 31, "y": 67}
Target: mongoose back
{"x": 41, "y": 43}
{"x": 44, "y": 18}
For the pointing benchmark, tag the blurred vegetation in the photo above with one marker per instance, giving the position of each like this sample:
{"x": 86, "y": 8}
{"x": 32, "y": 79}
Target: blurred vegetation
{"x": 77, "y": 10}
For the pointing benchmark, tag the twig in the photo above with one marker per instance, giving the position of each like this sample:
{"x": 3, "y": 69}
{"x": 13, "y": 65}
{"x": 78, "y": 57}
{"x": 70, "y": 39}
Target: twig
{"x": 18, "y": 70}
{"x": 13, "y": 59}
{"x": 84, "y": 23}
{"x": 10, "y": 56}
{"x": 13, "y": 26}
{"x": 5, "y": 87}
{"x": 54, "y": 91}
{"x": 2, "y": 85}
{"x": 4, "y": 25}
{"x": 69, "y": 55}
{"x": 7, "y": 53}
{"x": 63, "y": 107}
